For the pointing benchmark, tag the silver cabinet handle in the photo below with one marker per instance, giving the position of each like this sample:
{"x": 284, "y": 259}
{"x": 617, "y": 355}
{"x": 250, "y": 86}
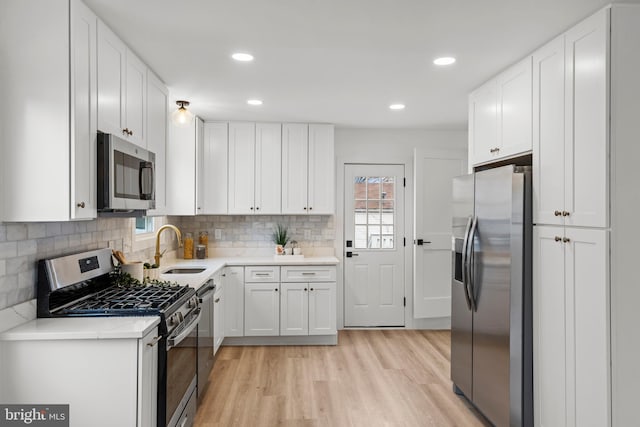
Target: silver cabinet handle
{"x": 154, "y": 341}
{"x": 309, "y": 273}
{"x": 81, "y": 205}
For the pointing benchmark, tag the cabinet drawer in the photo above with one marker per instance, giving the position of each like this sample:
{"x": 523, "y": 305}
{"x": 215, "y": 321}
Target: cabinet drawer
{"x": 261, "y": 274}
{"x": 309, "y": 274}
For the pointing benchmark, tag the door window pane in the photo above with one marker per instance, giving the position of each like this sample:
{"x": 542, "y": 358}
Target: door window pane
{"x": 374, "y": 212}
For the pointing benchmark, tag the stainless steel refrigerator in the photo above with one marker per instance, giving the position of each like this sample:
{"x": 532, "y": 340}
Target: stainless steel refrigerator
{"x": 491, "y": 321}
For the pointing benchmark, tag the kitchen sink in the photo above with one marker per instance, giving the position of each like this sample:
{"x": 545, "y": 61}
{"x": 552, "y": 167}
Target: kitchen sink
{"x": 185, "y": 270}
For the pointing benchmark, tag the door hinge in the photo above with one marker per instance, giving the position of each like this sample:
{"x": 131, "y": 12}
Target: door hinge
{"x": 404, "y": 182}
{"x": 405, "y": 301}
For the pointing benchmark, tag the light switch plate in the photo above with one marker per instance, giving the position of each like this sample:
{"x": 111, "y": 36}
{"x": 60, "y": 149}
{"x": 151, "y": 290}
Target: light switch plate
{"x": 218, "y": 234}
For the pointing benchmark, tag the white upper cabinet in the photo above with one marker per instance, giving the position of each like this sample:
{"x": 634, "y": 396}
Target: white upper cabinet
{"x": 308, "y": 169}
{"x": 121, "y": 88}
{"x": 500, "y": 115}
{"x": 212, "y": 168}
{"x": 268, "y": 168}
{"x": 47, "y": 170}
{"x": 321, "y": 195}
{"x": 483, "y": 122}
{"x": 514, "y": 105}
{"x": 242, "y": 149}
{"x": 587, "y": 119}
{"x": 84, "y": 112}
{"x": 295, "y": 152}
{"x": 181, "y": 167}
{"x": 549, "y": 132}
{"x": 254, "y": 168}
{"x": 157, "y": 109}
{"x": 571, "y": 134}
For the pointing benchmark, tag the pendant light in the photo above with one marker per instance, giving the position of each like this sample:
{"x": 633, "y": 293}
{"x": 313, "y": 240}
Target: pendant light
{"x": 182, "y": 117}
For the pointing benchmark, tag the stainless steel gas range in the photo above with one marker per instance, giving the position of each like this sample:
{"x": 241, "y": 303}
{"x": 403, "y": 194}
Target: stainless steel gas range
{"x": 86, "y": 284}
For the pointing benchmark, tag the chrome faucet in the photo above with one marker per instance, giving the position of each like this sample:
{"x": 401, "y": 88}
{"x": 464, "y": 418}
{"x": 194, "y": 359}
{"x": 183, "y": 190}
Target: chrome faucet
{"x": 158, "y": 255}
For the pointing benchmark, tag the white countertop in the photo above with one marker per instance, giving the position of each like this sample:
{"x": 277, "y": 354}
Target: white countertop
{"x": 82, "y": 328}
{"x": 212, "y": 265}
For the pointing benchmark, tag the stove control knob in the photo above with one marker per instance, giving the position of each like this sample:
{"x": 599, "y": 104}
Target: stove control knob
{"x": 172, "y": 320}
{"x": 193, "y": 303}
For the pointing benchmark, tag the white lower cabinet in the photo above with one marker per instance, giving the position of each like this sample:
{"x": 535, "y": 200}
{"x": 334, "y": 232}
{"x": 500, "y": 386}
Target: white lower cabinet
{"x": 309, "y": 307}
{"x": 233, "y": 284}
{"x": 571, "y": 327}
{"x": 86, "y": 374}
{"x": 218, "y": 315}
{"x": 262, "y": 301}
{"x": 261, "y": 309}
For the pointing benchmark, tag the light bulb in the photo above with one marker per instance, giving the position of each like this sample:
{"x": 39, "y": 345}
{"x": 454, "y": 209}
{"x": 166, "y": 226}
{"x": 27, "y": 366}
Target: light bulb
{"x": 182, "y": 117}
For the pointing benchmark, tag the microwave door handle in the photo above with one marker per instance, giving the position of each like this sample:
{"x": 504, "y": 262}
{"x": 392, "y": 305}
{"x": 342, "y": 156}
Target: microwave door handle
{"x": 146, "y": 167}
{"x": 470, "y": 263}
{"x": 464, "y": 261}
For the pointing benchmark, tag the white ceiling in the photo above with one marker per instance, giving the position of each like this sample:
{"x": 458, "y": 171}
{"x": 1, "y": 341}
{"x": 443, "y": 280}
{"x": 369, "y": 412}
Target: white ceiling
{"x": 335, "y": 61}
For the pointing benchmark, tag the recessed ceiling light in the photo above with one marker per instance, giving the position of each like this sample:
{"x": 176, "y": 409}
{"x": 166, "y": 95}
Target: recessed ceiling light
{"x": 445, "y": 60}
{"x": 244, "y": 57}
{"x": 254, "y": 102}
{"x": 396, "y": 106}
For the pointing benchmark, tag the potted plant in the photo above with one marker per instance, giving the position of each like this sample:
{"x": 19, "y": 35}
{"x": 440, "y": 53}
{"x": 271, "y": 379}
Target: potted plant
{"x": 280, "y": 237}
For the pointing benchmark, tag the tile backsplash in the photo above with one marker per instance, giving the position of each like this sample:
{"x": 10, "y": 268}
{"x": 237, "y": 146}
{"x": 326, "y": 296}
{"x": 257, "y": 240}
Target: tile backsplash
{"x": 310, "y": 231}
{"x": 23, "y": 244}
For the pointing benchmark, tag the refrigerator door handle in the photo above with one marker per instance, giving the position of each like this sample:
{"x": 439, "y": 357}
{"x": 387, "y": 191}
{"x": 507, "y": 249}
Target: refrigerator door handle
{"x": 470, "y": 254}
{"x": 465, "y": 278}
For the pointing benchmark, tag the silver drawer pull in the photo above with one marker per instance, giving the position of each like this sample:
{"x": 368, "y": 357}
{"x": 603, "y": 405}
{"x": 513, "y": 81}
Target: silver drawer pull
{"x": 262, "y": 274}
{"x": 304, "y": 273}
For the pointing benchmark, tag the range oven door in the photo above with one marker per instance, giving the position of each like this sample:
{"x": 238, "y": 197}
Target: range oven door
{"x": 182, "y": 362}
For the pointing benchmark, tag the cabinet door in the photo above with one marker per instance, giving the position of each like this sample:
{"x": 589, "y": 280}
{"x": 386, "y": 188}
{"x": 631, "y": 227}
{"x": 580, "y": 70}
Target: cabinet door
{"x": 549, "y": 325}
{"x": 321, "y": 184}
{"x": 483, "y": 123}
{"x": 268, "y": 162}
{"x": 261, "y": 309}
{"x": 84, "y": 111}
{"x": 218, "y": 319}
{"x": 548, "y": 133}
{"x": 322, "y": 308}
{"x": 181, "y": 159}
{"x": 242, "y": 137}
{"x": 157, "y": 109}
{"x": 212, "y": 170}
{"x": 294, "y": 309}
{"x": 148, "y": 379}
{"x": 135, "y": 99}
{"x": 234, "y": 301}
{"x": 588, "y": 327}
{"x": 587, "y": 118}
{"x": 514, "y": 107}
{"x": 295, "y": 149}
{"x": 112, "y": 57}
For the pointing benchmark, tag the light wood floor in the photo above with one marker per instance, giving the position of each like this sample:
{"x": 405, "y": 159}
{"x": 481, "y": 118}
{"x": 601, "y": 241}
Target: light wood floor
{"x": 371, "y": 378}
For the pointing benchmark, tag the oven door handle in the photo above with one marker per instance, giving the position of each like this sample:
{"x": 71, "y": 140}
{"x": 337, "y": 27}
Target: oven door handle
{"x": 175, "y": 341}
{"x": 207, "y": 295}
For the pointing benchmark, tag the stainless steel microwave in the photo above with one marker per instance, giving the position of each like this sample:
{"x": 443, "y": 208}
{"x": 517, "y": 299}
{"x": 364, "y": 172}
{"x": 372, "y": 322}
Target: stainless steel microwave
{"x": 126, "y": 176}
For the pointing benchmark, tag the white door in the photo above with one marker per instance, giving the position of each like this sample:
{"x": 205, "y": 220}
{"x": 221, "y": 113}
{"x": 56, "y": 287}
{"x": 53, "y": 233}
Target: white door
{"x": 483, "y": 122}
{"x": 135, "y": 99}
{"x": 294, "y": 309}
{"x": 549, "y": 337}
{"x": 233, "y": 278}
{"x": 242, "y": 150}
{"x": 157, "y": 103}
{"x": 111, "y": 61}
{"x": 587, "y": 118}
{"x": 268, "y": 177}
{"x": 211, "y": 189}
{"x": 374, "y": 236}
{"x": 322, "y": 308}
{"x": 548, "y": 133}
{"x": 261, "y": 309}
{"x": 295, "y": 153}
{"x": 434, "y": 174}
{"x": 321, "y": 195}
{"x": 514, "y": 92}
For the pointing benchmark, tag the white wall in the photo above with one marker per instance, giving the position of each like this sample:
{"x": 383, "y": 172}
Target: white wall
{"x": 394, "y": 146}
